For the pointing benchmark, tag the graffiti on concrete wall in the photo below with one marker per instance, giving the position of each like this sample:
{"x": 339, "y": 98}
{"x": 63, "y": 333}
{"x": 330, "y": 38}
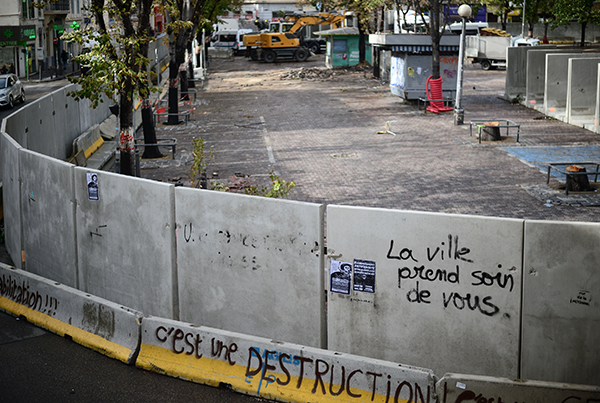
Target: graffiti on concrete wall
{"x": 449, "y": 262}
{"x": 237, "y": 249}
{"x": 267, "y": 369}
{"x": 20, "y": 292}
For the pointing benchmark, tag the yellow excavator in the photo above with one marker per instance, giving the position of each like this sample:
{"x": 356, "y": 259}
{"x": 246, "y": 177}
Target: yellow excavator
{"x": 271, "y": 46}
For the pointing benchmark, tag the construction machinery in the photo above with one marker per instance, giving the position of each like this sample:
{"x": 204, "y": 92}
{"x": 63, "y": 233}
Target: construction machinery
{"x": 271, "y": 46}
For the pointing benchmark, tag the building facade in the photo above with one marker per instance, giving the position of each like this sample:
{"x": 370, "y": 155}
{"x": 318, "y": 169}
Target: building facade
{"x": 30, "y": 37}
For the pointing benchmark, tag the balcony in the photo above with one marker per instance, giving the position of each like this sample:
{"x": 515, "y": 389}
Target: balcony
{"x": 58, "y": 7}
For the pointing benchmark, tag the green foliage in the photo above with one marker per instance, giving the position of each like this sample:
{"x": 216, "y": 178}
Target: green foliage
{"x": 198, "y": 169}
{"x": 279, "y": 188}
{"x": 219, "y": 187}
{"x": 565, "y": 11}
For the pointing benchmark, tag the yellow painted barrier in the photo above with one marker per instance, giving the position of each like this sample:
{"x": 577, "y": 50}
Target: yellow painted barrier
{"x": 276, "y": 370}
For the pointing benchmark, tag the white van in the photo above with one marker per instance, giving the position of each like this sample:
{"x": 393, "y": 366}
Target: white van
{"x": 231, "y": 39}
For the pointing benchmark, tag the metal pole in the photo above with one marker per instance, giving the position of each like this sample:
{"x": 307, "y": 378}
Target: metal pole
{"x": 523, "y": 21}
{"x": 459, "y": 113}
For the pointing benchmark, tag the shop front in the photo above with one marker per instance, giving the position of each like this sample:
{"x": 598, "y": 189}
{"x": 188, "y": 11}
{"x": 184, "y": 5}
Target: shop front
{"x": 17, "y": 46}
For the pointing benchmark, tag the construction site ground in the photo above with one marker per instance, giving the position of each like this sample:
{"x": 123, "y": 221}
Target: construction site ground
{"x": 326, "y": 131}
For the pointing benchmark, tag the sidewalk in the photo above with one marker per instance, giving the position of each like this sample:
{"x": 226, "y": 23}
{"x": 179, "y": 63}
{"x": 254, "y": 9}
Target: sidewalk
{"x": 322, "y": 134}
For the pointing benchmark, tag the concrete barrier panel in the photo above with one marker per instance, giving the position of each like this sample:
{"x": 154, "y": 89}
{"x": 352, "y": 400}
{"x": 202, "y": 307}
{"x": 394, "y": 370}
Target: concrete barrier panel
{"x": 9, "y": 167}
{"x": 39, "y": 123}
{"x": 455, "y": 388}
{"x": 89, "y": 116}
{"x": 48, "y": 215}
{"x": 516, "y": 71}
{"x": 435, "y": 290}
{"x": 596, "y": 127}
{"x": 555, "y": 89}
{"x": 126, "y": 241}
{"x": 66, "y": 122}
{"x": 275, "y": 370}
{"x": 251, "y": 265}
{"x": 536, "y": 75}
{"x": 17, "y": 124}
{"x": 561, "y": 311}
{"x": 101, "y": 325}
{"x": 581, "y": 91}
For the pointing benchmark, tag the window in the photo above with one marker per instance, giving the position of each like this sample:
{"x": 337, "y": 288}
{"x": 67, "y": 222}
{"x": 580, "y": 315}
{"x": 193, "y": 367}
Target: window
{"x": 340, "y": 46}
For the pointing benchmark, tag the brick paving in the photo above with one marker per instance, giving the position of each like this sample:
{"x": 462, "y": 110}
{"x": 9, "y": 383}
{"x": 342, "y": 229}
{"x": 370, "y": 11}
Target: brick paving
{"x": 322, "y": 134}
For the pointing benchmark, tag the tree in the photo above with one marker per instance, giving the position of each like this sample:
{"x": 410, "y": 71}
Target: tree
{"x": 584, "y": 11}
{"x": 501, "y": 9}
{"x": 186, "y": 18}
{"x": 116, "y": 63}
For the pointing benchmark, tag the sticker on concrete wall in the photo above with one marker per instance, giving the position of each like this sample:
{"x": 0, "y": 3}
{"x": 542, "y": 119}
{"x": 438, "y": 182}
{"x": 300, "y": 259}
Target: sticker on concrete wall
{"x": 340, "y": 277}
{"x": 92, "y": 184}
{"x": 364, "y": 275}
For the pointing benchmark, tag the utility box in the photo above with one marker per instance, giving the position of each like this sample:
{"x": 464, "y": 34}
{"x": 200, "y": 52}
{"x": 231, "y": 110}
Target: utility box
{"x": 411, "y": 63}
{"x": 342, "y": 47}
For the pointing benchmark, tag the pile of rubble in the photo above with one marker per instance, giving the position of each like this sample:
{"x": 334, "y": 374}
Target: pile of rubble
{"x": 323, "y": 73}
{"x": 308, "y": 73}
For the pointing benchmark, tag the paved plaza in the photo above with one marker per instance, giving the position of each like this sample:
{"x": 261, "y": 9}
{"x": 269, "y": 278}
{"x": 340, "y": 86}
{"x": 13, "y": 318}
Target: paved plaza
{"x": 325, "y": 135}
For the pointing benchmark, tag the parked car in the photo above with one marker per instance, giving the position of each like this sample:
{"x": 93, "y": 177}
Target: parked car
{"x": 11, "y": 89}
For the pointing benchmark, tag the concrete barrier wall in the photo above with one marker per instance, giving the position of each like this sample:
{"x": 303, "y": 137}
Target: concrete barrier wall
{"x": 555, "y": 89}
{"x": 581, "y": 91}
{"x": 48, "y": 217}
{"x": 95, "y": 323}
{"x": 561, "y": 311}
{"x": 89, "y": 116}
{"x": 66, "y": 126}
{"x": 428, "y": 289}
{"x": 596, "y": 127}
{"x": 516, "y": 71}
{"x": 275, "y": 370}
{"x": 126, "y": 241}
{"x": 11, "y": 204}
{"x": 254, "y": 258}
{"x": 17, "y": 123}
{"x": 455, "y": 388}
{"x": 536, "y": 75}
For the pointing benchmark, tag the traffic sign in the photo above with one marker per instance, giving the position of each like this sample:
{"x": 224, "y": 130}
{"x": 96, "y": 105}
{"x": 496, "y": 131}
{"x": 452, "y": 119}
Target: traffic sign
{"x": 55, "y": 40}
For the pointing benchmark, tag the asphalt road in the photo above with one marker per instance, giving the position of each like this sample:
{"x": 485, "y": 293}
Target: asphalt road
{"x": 34, "y": 90}
{"x": 39, "y": 366}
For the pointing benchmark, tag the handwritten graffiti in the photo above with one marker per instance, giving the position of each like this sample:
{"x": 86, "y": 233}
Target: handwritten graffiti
{"x": 219, "y": 348}
{"x": 327, "y": 378}
{"x": 468, "y": 396}
{"x": 21, "y": 294}
{"x": 181, "y": 342}
{"x": 453, "y": 251}
{"x": 450, "y": 251}
{"x": 190, "y": 343}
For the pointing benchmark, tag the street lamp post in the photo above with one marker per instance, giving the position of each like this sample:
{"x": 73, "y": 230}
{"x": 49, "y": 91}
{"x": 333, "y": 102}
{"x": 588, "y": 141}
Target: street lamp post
{"x": 464, "y": 11}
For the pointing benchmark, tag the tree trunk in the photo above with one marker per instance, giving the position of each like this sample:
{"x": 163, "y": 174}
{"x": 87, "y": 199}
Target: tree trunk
{"x": 583, "y": 26}
{"x": 577, "y": 183}
{"x": 184, "y": 84}
{"x": 149, "y": 132}
{"x": 361, "y": 43}
{"x": 434, "y": 32}
{"x": 173, "y": 91}
{"x": 126, "y": 137}
{"x": 490, "y": 132}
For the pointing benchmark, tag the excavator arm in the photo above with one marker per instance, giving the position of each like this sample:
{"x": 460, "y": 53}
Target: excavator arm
{"x": 335, "y": 20}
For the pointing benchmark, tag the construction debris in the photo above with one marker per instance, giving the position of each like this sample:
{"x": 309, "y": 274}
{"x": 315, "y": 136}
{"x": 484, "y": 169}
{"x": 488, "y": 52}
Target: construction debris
{"x": 308, "y": 73}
